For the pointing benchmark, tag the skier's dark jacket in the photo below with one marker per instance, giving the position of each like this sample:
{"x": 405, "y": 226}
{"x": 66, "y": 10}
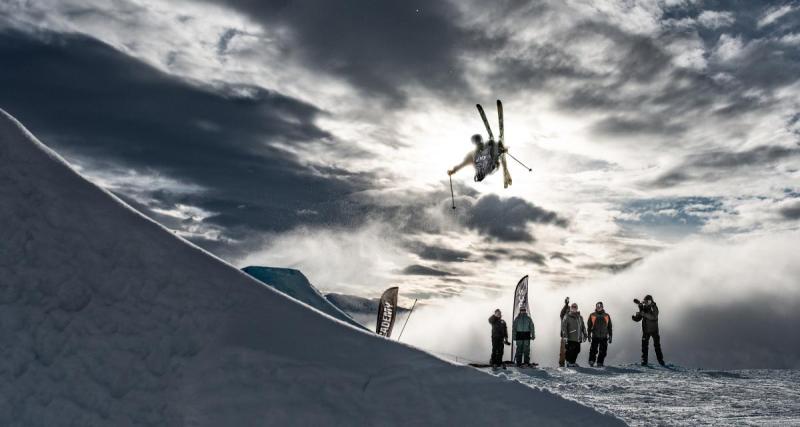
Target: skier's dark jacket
{"x": 499, "y": 329}
{"x": 599, "y": 324}
{"x": 649, "y": 317}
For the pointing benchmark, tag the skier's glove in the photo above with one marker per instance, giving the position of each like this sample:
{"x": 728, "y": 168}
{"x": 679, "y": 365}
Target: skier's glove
{"x": 508, "y": 343}
{"x": 609, "y": 339}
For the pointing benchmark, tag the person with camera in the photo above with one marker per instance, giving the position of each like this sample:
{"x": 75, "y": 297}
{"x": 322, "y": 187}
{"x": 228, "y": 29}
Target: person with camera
{"x": 648, "y": 315}
{"x": 573, "y": 333}
{"x": 599, "y": 327}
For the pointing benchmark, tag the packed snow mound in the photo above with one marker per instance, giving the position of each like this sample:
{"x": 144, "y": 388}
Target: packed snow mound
{"x": 364, "y": 310}
{"x": 356, "y": 304}
{"x": 293, "y": 283}
{"x": 107, "y": 318}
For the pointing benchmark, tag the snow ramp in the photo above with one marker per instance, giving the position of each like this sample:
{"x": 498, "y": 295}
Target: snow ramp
{"x": 295, "y": 284}
{"x": 107, "y": 318}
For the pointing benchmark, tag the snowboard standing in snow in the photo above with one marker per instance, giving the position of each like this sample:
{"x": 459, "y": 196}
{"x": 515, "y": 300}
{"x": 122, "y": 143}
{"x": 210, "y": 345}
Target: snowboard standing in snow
{"x": 562, "y": 353}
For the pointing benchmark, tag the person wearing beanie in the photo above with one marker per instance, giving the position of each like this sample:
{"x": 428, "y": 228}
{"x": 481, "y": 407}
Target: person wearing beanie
{"x": 573, "y": 333}
{"x": 599, "y": 328}
{"x": 648, "y": 315}
{"x": 499, "y": 339}
{"x": 524, "y": 333}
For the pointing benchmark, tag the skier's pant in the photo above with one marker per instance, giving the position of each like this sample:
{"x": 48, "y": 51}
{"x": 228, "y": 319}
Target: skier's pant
{"x": 523, "y": 352}
{"x": 656, "y": 345}
{"x": 573, "y": 348}
{"x": 598, "y": 344}
{"x": 497, "y": 351}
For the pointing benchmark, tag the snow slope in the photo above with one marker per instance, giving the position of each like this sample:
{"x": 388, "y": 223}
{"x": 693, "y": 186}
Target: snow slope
{"x": 656, "y": 396}
{"x": 293, "y": 283}
{"x": 107, "y": 318}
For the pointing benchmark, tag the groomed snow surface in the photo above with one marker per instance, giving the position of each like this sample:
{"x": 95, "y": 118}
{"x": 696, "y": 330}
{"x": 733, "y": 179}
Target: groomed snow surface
{"x": 646, "y": 396}
{"x": 107, "y": 318}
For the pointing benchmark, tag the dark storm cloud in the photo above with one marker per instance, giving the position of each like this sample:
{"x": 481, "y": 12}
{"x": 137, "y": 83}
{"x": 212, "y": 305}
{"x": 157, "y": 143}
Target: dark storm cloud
{"x": 91, "y": 102}
{"x": 560, "y": 256}
{"x": 421, "y": 270}
{"x": 791, "y": 211}
{"x": 378, "y": 46}
{"x": 438, "y": 253}
{"x": 701, "y": 166}
{"x": 621, "y": 126}
{"x": 611, "y": 267}
{"x": 507, "y": 219}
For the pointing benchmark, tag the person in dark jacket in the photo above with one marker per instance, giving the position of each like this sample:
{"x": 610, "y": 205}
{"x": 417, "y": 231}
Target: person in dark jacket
{"x": 648, "y": 315}
{"x": 499, "y": 338}
{"x": 562, "y": 352}
{"x": 599, "y": 328}
{"x": 524, "y": 333}
{"x": 573, "y": 332}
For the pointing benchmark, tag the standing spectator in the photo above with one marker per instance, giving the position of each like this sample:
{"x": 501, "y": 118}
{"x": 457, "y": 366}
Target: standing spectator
{"x": 524, "y": 333}
{"x": 648, "y": 315}
{"x": 599, "y": 328}
{"x": 499, "y": 338}
{"x": 573, "y": 332}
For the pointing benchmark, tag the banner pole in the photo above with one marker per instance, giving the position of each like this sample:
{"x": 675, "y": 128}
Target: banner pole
{"x": 407, "y": 317}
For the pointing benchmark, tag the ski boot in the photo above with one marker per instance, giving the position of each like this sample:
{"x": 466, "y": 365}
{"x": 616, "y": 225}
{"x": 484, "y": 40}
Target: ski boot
{"x": 591, "y": 363}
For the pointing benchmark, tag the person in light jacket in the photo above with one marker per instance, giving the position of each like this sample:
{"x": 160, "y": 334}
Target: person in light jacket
{"x": 573, "y": 333}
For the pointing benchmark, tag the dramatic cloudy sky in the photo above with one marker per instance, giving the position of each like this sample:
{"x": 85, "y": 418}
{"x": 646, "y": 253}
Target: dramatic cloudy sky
{"x": 316, "y": 134}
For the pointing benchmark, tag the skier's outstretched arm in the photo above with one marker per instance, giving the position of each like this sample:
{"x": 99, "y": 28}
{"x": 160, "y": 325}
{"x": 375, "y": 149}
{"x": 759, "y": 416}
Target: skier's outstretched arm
{"x": 467, "y": 160}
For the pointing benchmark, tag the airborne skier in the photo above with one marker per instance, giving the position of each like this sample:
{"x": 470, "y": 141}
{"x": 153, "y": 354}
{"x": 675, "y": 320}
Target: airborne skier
{"x": 487, "y": 156}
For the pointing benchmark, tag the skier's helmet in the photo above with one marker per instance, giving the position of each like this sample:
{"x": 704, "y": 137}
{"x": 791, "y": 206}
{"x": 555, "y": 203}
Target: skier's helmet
{"x": 477, "y": 139}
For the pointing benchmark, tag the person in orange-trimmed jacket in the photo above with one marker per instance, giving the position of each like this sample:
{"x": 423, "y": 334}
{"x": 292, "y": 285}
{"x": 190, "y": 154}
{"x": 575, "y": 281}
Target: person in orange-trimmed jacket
{"x": 599, "y": 328}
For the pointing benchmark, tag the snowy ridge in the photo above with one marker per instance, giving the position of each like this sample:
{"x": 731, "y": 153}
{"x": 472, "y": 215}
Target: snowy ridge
{"x": 293, "y": 283}
{"x": 107, "y": 318}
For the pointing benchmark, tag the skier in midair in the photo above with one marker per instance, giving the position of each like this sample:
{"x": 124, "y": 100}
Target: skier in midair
{"x": 599, "y": 328}
{"x": 573, "y": 333}
{"x": 524, "y": 333}
{"x": 499, "y": 339}
{"x": 648, "y": 315}
{"x": 485, "y": 158}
